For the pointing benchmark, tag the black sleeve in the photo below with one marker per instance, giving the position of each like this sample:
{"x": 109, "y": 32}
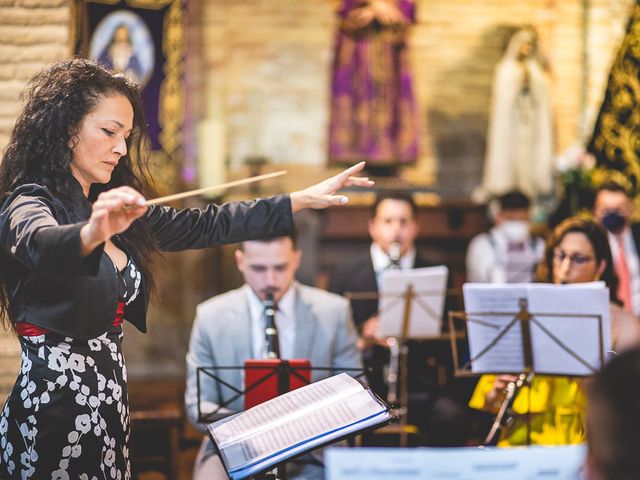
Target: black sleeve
{"x": 30, "y": 233}
{"x": 181, "y": 229}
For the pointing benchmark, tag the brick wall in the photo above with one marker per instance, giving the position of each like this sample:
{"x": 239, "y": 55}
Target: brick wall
{"x": 33, "y": 33}
{"x": 269, "y": 63}
{"x": 263, "y": 66}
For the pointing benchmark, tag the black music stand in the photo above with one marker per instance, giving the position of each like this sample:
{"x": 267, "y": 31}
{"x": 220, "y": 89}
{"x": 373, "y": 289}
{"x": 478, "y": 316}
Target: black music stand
{"x": 398, "y": 388}
{"x": 283, "y": 370}
{"x": 524, "y": 319}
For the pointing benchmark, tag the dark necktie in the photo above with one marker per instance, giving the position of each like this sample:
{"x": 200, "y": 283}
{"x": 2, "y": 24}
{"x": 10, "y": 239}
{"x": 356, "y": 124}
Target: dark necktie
{"x": 271, "y": 332}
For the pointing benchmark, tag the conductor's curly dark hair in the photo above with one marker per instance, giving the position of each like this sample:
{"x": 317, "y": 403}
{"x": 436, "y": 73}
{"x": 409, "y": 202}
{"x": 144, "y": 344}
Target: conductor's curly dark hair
{"x": 56, "y": 100}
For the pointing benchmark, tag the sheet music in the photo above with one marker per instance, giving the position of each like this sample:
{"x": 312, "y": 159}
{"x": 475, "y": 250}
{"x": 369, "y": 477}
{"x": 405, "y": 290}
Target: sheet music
{"x": 464, "y": 463}
{"x": 506, "y": 355}
{"x": 579, "y": 332}
{"x": 267, "y": 414}
{"x": 313, "y": 425}
{"x": 429, "y": 287}
{"x": 575, "y": 299}
{"x": 295, "y": 422}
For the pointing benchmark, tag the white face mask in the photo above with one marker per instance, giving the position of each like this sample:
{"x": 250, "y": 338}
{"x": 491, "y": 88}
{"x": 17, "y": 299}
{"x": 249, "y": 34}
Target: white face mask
{"x": 515, "y": 230}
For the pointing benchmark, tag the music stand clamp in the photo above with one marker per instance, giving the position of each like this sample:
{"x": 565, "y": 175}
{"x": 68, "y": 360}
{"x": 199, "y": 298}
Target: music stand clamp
{"x": 524, "y": 318}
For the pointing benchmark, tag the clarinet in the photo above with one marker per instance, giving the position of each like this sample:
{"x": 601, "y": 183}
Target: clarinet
{"x": 392, "y": 342}
{"x": 271, "y": 332}
{"x": 501, "y": 419}
{"x": 394, "y": 254}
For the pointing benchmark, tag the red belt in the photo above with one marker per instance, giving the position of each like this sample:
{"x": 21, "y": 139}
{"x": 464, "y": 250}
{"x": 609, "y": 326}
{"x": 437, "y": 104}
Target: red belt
{"x": 29, "y": 330}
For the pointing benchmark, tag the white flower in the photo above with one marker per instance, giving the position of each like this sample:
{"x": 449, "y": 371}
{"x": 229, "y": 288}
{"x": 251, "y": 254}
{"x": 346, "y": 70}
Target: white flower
{"x": 26, "y": 365}
{"x": 81, "y": 399}
{"x": 76, "y": 450}
{"x": 76, "y": 362}
{"x": 57, "y": 361}
{"x": 83, "y": 423}
{"x": 60, "y": 475}
{"x": 109, "y": 457}
{"x": 95, "y": 345}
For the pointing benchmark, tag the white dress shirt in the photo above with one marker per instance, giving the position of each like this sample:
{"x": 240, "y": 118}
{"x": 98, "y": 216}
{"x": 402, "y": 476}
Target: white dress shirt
{"x": 381, "y": 260}
{"x": 285, "y": 323}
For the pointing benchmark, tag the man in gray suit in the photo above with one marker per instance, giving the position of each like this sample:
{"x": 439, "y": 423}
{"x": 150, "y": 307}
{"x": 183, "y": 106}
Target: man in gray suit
{"x": 230, "y": 328}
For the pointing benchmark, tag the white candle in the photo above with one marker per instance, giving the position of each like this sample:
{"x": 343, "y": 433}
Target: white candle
{"x": 212, "y": 152}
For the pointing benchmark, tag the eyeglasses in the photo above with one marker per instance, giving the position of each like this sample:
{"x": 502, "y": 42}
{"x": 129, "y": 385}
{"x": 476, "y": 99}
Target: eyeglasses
{"x": 576, "y": 259}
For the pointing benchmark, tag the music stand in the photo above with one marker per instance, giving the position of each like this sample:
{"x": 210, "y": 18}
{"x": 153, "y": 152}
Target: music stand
{"x": 284, "y": 370}
{"x": 397, "y": 344}
{"x": 524, "y": 319}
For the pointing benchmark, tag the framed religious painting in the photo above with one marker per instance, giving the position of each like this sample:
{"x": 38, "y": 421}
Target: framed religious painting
{"x": 146, "y": 41}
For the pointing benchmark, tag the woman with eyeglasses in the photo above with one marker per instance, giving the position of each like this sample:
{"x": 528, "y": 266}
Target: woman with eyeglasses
{"x": 576, "y": 252}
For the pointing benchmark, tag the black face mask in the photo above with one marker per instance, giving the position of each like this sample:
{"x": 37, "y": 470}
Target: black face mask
{"x": 614, "y": 222}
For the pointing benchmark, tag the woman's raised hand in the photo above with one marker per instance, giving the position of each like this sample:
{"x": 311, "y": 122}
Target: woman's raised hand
{"x": 110, "y": 217}
{"x": 323, "y": 194}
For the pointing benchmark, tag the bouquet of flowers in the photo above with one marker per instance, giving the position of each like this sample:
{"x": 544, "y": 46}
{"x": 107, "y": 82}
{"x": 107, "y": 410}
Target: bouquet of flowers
{"x": 575, "y": 169}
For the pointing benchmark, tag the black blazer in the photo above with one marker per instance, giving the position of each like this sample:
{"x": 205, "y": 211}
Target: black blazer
{"x": 53, "y": 287}
{"x": 359, "y": 276}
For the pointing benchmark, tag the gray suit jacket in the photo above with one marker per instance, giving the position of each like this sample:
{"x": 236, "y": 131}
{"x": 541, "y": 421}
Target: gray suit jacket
{"x": 221, "y": 336}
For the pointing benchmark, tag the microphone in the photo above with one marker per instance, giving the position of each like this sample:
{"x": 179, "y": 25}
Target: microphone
{"x": 271, "y": 332}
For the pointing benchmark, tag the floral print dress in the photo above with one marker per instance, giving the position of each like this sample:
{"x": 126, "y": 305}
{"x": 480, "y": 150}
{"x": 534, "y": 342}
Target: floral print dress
{"x": 67, "y": 416}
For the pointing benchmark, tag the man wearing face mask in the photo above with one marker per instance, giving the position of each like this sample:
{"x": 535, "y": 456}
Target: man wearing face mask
{"x": 230, "y": 328}
{"x": 613, "y": 209}
{"x": 508, "y": 253}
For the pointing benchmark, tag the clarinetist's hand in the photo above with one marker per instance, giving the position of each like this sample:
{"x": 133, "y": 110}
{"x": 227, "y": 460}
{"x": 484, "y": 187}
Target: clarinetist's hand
{"x": 323, "y": 194}
{"x": 109, "y": 217}
{"x": 497, "y": 394}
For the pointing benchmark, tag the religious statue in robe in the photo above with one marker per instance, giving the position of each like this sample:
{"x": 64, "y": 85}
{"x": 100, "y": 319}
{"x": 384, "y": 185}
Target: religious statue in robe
{"x": 519, "y": 154}
{"x": 373, "y": 109}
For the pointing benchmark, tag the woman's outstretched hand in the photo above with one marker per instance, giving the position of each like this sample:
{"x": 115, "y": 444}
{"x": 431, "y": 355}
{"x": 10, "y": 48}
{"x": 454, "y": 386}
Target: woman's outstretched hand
{"x": 110, "y": 217}
{"x": 323, "y": 194}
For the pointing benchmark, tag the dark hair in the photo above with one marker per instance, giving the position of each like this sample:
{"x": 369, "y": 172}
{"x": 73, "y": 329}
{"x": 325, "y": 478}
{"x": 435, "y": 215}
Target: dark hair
{"x": 613, "y": 418}
{"x": 599, "y": 241}
{"x": 398, "y": 195}
{"x": 514, "y": 200}
{"x": 293, "y": 236}
{"x": 56, "y": 101}
{"x": 613, "y": 187}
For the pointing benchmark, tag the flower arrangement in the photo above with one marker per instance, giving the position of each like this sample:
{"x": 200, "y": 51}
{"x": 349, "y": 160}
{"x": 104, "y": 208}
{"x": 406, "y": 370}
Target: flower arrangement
{"x": 576, "y": 168}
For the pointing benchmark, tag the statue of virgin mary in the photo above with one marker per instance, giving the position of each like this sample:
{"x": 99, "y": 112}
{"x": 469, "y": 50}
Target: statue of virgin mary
{"x": 519, "y": 154}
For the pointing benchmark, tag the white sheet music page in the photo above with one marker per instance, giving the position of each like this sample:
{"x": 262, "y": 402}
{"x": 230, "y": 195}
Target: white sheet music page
{"x": 463, "y": 463}
{"x": 490, "y": 309}
{"x": 429, "y": 286}
{"x": 295, "y": 422}
{"x": 565, "y": 329}
{"x": 569, "y": 344}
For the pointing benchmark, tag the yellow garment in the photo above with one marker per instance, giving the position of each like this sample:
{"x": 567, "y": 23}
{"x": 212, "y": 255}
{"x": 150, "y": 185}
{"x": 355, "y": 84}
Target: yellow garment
{"x": 557, "y": 411}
